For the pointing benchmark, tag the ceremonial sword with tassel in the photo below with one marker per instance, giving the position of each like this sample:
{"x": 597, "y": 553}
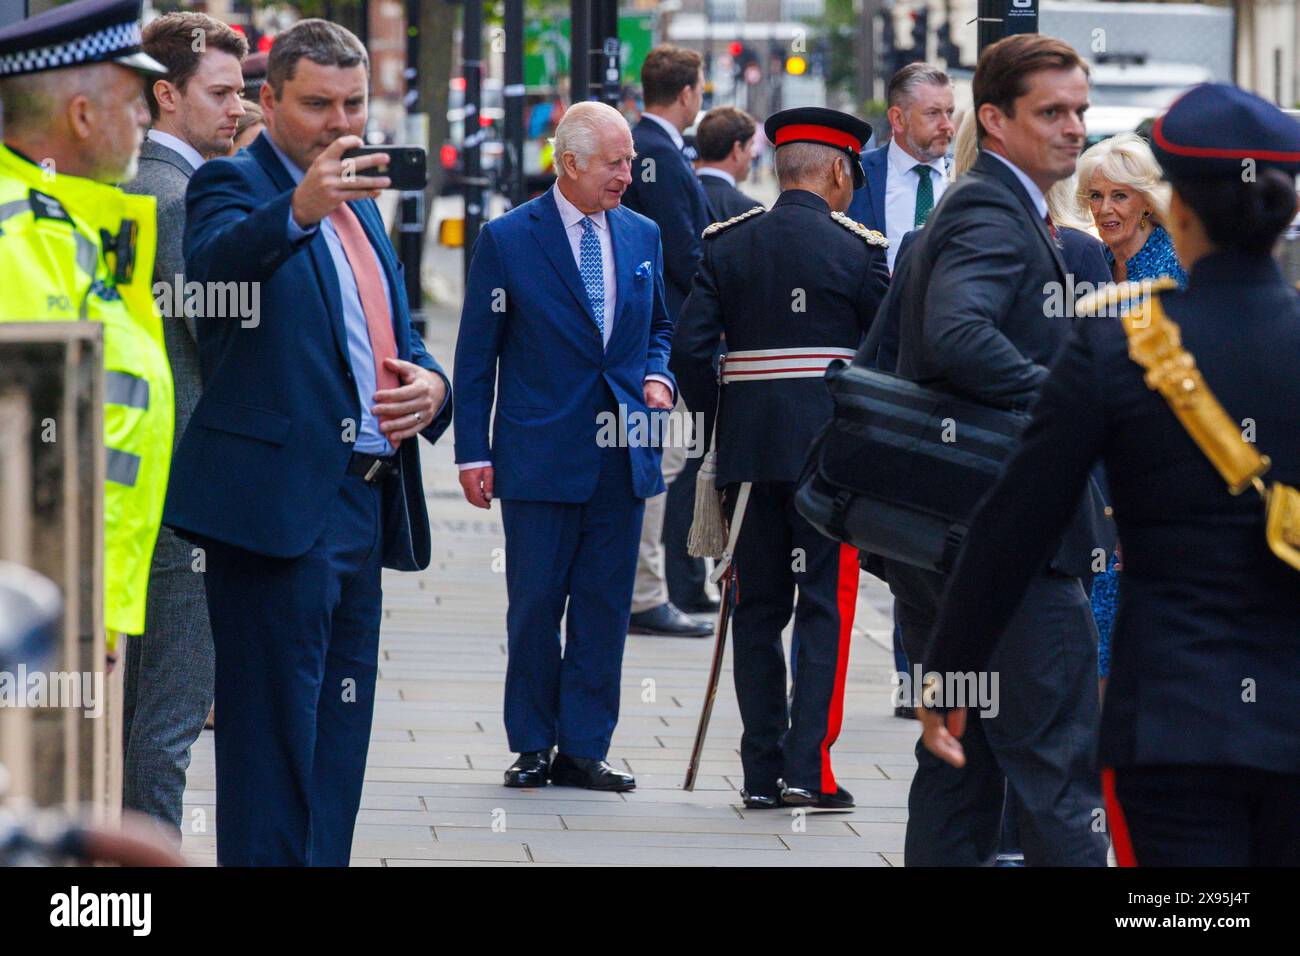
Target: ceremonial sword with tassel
{"x": 724, "y": 575}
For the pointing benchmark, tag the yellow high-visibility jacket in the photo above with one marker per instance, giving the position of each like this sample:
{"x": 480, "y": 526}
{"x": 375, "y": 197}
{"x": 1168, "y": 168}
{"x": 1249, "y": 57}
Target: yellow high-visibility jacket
{"x": 72, "y": 249}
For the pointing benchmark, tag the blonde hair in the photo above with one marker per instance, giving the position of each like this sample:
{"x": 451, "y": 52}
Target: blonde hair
{"x": 252, "y": 116}
{"x": 1064, "y": 208}
{"x": 1126, "y": 160}
{"x": 965, "y": 148}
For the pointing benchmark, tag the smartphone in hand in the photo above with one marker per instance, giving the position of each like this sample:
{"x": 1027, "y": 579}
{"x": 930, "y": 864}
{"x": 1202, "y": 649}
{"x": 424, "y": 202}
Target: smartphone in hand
{"x": 408, "y": 166}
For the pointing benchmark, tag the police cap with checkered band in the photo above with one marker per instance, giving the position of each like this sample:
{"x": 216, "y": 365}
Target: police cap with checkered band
{"x": 77, "y": 34}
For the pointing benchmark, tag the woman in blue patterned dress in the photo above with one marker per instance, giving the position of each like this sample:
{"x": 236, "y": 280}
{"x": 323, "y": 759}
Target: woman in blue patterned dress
{"x": 1120, "y": 181}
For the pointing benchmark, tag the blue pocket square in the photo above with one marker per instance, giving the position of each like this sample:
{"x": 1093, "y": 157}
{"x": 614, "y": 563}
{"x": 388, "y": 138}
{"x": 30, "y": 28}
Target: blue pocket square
{"x": 643, "y": 270}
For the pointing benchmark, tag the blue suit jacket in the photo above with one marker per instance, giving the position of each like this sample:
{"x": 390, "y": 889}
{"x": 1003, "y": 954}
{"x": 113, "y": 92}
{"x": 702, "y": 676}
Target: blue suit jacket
{"x": 868, "y": 205}
{"x": 268, "y": 445}
{"x": 541, "y": 340}
{"x": 675, "y": 200}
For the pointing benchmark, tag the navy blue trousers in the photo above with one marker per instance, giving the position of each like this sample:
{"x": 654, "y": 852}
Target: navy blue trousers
{"x": 778, "y": 555}
{"x": 1184, "y": 815}
{"x": 583, "y": 555}
{"x": 297, "y": 647}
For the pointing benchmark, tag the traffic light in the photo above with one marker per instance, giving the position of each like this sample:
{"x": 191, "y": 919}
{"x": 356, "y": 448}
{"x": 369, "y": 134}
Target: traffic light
{"x": 920, "y": 33}
{"x": 742, "y": 58}
{"x": 947, "y": 50}
{"x": 796, "y": 65}
{"x": 892, "y": 58}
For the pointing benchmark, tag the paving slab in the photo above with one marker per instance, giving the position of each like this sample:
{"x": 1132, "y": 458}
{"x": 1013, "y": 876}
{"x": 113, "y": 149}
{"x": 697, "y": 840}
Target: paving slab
{"x": 433, "y": 796}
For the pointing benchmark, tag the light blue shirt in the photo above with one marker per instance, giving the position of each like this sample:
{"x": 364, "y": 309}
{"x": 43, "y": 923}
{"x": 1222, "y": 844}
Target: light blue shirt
{"x": 361, "y": 356}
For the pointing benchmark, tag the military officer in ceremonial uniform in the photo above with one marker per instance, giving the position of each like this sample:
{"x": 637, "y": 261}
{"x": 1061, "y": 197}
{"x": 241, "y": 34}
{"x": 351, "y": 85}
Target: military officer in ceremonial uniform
{"x": 1200, "y": 740}
{"x": 791, "y": 289}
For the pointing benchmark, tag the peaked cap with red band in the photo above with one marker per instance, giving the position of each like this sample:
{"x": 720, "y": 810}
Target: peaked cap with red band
{"x": 1213, "y": 129}
{"x": 816, "y": 124}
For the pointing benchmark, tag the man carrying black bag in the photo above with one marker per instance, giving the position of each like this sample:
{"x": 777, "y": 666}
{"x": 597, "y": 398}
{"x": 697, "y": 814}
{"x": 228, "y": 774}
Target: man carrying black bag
{"x": 982, "y": 318}
{"x": 792, "y": 289}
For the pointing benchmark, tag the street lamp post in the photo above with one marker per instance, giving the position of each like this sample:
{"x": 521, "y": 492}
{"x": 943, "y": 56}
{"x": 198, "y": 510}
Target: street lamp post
{"x": 410, "y": 230}
{"x": 579, "y": 50}
{"x": 513, "y": 94}
{"x": 472, "y": 61}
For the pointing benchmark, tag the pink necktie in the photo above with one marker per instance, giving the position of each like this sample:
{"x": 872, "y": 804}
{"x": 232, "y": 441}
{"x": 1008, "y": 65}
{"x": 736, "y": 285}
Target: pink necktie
{"x": 370, "y": 287}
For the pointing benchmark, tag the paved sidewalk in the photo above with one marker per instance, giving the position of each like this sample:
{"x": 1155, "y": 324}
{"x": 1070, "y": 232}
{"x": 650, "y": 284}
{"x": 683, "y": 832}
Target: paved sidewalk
{"x": 433, "y": 793}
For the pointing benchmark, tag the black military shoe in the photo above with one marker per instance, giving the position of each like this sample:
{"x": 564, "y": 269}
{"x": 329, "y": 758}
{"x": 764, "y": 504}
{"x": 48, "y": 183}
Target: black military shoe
{"x": 701, "y": 605}
{"x": 760, "y": 801}
{"x": 667, "y": 621}
{"x": 589, "y": 774}
{"x": 530, "y": 770}
{"x": 841, "y": 799}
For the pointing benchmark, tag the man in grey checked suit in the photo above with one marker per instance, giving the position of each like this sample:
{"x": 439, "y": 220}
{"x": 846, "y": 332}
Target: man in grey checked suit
{"x": 169, "y": 669}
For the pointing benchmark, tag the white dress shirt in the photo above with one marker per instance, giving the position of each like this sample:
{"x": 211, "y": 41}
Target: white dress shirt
{"x": 678, "y": 140}
{"x": 900, "y": 193}
{"x": 1035, "y": 194}
{"x": 722, "y": 174}
{"x": 571, "y": 218}
{"x": 176, "y": 144}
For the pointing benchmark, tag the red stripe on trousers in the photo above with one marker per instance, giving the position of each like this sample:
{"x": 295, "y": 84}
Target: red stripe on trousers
{"x": 846, "y": 601}
{"x": 1124, "y": 854}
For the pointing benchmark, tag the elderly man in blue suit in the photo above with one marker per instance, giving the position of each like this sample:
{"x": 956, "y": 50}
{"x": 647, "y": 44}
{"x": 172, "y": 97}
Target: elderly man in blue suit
{"x": 564, "y": 322}
{"x": 907, "y": 176}
{"x": 299, "y": 473}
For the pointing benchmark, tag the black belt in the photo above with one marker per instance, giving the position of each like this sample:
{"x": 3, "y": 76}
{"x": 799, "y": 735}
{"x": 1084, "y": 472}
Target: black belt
{"x": 371, "y": 468}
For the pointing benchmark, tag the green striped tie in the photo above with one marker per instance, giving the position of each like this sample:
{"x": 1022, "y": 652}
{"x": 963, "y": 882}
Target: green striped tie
{"x": 924, "y": 195}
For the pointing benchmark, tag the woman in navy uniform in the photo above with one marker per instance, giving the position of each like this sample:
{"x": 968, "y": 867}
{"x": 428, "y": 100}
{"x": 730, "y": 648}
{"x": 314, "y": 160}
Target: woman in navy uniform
{"x": 1200, "y": 739}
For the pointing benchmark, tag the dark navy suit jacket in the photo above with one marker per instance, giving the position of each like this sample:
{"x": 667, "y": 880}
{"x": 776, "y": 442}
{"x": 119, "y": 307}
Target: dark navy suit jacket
{"x": 268, "y": 444}
{"x": 868, "y": 205}
{"x": 537, "y": 338}
{"x": 725, "y": 200}
{"x": 1083, "y": 259}
{"x": 974, "y": 317}
{"x": 664, "y": 188}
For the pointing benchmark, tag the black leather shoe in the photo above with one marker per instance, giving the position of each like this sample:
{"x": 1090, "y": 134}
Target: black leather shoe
{"x": 667, "y": 621}
{"x": 589, "y": 774}
{"x": 905, "y": 712}
{"x": 841, "y": 799}
{"x": 760, "y": 801}
{"x": 703, "y": 605}
{"x": 530, "y": 770}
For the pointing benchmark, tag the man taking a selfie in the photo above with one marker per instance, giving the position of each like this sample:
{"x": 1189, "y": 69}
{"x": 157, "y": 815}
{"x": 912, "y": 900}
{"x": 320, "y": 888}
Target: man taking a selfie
{"x": 299, "y": 474}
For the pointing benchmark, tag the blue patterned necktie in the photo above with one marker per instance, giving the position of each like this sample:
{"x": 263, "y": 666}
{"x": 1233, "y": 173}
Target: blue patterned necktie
{"x": 592, "y": 268}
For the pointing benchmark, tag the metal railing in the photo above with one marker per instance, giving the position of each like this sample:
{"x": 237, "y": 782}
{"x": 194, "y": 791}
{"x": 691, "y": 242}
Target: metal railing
{"x": 51, "y": 521}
